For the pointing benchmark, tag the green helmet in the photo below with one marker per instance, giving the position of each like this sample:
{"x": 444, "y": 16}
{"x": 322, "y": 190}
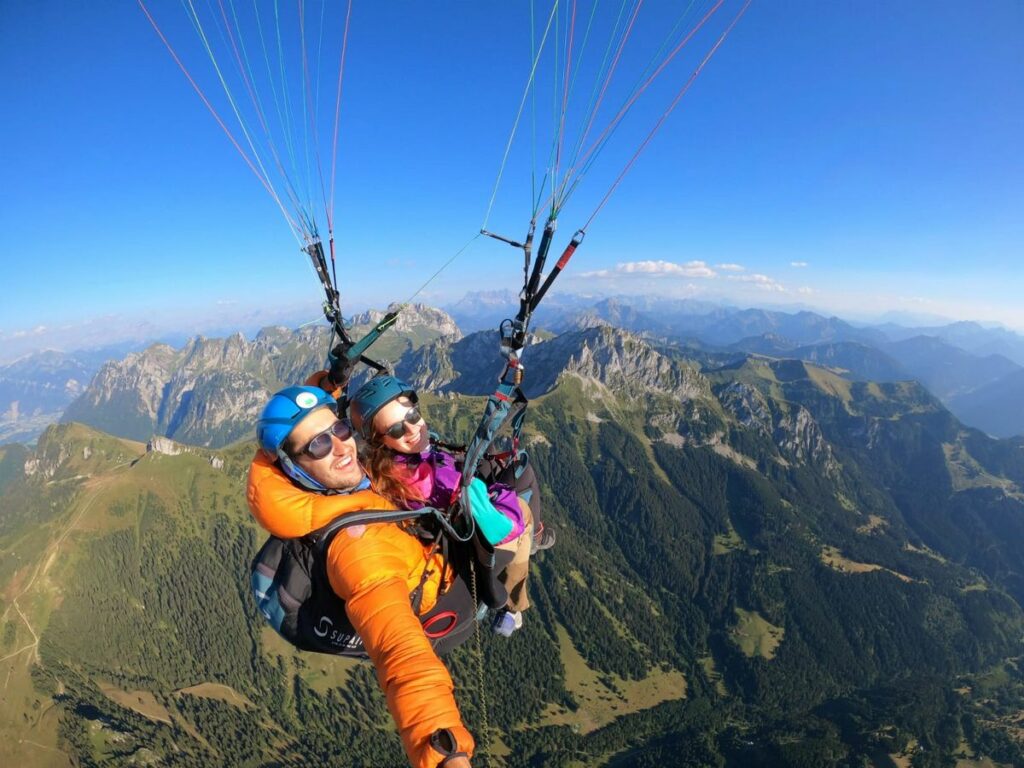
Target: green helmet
{"x": 374, "y": 395}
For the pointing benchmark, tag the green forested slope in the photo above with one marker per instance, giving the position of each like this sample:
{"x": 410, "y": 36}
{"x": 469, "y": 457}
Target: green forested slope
{"x": 785, "y": 570}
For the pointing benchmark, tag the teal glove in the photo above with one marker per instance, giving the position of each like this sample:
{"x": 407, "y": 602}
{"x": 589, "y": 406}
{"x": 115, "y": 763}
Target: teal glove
{"x": 492, "y": 524}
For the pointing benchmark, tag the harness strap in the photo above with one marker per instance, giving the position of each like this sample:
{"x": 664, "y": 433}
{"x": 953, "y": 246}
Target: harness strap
{"x": 323, "y": 537}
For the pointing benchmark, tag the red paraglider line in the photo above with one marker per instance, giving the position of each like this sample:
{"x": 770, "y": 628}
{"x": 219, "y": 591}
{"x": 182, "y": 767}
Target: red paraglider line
{"x": 565, "y": 88}
{"x": 310, "y": 109}
{"x": 216, "y": 117}
{"x": 636, "y": 94}
{"x": 667, "y": 112}
{"x": 257, "y": 105}
{"x": 607, "y": 81}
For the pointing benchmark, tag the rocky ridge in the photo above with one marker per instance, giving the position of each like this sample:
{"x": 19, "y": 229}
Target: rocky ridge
{"x": 210, "y": 391}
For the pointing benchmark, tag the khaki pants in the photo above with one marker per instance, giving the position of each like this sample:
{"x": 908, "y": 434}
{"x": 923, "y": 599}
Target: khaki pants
{"x": 514, "y": 577}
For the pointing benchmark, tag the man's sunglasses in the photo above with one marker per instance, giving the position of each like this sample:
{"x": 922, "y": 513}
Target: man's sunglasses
{"x": 396, "y": 430}
{"x": 321, "y": 444}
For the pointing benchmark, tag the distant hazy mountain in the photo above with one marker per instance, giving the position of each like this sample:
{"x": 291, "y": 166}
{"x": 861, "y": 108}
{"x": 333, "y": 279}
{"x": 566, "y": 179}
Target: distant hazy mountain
{"x": 856, "y": 361}
{"x": 426, "y": 346}
{"x": 484, "y": 310}
{"x": 947, "y": 370}
{"x": 684, "y": 319}
{"x": 997, "y": 407}
{"x": 972, "y": 337}
{"x": 35, "y": 390}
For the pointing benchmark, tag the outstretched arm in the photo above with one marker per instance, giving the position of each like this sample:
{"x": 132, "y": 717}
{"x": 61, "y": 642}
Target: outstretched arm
{"x": 369, "y": 570}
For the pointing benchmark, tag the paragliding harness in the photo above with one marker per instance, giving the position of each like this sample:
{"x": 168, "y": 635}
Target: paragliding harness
{"x": 292, "y": 590}
{"x": 289, "y": 576}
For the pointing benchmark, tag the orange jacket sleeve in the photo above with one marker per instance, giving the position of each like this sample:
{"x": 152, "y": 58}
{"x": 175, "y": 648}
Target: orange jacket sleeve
{"x": 367, "y": 570}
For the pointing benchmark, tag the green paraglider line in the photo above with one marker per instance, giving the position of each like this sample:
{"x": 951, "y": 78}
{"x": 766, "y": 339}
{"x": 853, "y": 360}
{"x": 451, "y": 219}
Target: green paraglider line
{"x": 266, "y": 184}
{"x": 337, "y": 113}
{"x": 245, "y": 71}
{"x": 519, "y": 114}
{"x": 585, "y": 167}
{"x": 308, "y": 108}
{"x": 599, "y": 142}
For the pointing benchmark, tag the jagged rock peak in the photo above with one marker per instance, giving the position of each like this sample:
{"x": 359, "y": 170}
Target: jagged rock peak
{"x": 748, "y": 405}
{"x": 412, "y": 316}
{"x": 799, "y": 435}
{"x": 624, "y": 362}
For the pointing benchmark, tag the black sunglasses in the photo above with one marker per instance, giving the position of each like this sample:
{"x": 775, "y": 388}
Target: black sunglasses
{"x": 396, "y": 430}
{"x": 321, "y": 444}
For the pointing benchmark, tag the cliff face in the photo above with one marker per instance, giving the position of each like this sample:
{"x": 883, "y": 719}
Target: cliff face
{"x": 616, "y": 359}
{"x": 210, "y": 392}
{"x": 207, "y": 393}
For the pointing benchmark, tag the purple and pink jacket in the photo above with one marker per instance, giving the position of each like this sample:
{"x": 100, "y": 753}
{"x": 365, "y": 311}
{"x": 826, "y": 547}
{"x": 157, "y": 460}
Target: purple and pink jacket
{"x": 435, "y": 478}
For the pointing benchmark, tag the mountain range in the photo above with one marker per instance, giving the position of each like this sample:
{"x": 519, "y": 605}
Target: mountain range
{"x": 969, "y": 367}
{"x": 760, "y": 562}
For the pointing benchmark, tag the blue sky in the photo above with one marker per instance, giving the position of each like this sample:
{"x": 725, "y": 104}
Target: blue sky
{"x": 856, "y": 157}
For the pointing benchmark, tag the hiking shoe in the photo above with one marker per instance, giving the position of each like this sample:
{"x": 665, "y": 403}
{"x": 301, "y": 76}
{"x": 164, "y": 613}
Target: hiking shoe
{"x": 506, "y": 622}
{"x": 543, "y": 538}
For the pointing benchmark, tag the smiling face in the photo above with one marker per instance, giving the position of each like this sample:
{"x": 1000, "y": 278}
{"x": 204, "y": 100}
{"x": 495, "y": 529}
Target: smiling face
{"x": 415, "y": 437}
{"x": 339, "y": 470}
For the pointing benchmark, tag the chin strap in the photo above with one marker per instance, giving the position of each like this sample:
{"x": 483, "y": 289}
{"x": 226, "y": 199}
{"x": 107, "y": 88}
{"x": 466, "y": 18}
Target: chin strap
{"x": 296, "y": 473}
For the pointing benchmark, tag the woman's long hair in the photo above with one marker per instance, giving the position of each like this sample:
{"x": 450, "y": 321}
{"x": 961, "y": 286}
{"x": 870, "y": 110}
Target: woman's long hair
{"x": 389, "y": 478}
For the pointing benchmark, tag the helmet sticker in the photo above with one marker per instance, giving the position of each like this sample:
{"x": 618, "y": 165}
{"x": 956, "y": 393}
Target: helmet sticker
{"x": 305, "y": 399}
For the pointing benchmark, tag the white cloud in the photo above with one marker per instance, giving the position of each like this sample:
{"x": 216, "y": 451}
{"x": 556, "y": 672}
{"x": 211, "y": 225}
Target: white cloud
{"x": 798, "y": 264}
{"x": 655, "y": 268}
{"x": 731, "y": 267}
{"x": 39, "y": 330}
{"x": 763, "y": 282}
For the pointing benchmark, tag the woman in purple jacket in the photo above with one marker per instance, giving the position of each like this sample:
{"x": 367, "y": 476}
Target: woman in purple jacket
{"x": 411, "y": 471}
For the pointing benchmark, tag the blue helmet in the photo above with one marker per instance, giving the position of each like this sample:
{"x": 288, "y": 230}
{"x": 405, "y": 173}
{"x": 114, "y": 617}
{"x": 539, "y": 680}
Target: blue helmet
{"x": 374, "y": 395}
{"x": 280, "y": 415}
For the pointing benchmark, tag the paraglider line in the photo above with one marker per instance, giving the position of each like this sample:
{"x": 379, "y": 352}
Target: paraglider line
{"x": 245, "y": 72}
{"x": 337, "y": 112}
{"x": 443, "y": 267}
{"x": 519, "y": 114}
{"x": 565, "y": 88}
{"x": 312, "y": 112}
{"x": 667, "y": 112}
{"x": 599, "y": 142}
{"x": 657, "y": 57}
{"x": 295, "y": 228}
{"x": 607, "y": 82}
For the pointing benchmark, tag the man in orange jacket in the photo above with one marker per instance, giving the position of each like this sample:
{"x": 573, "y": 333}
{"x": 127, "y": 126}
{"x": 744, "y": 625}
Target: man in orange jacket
{"x": 306, "y": 474}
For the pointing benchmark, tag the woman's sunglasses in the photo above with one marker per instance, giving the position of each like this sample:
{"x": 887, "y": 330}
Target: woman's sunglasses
{"x": 396, "y": 430}
{"x": 321, "y": 444}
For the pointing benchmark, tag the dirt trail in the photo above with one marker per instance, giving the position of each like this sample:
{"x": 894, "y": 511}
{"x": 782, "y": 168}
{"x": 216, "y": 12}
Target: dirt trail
{"x": 47, "y": 559}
